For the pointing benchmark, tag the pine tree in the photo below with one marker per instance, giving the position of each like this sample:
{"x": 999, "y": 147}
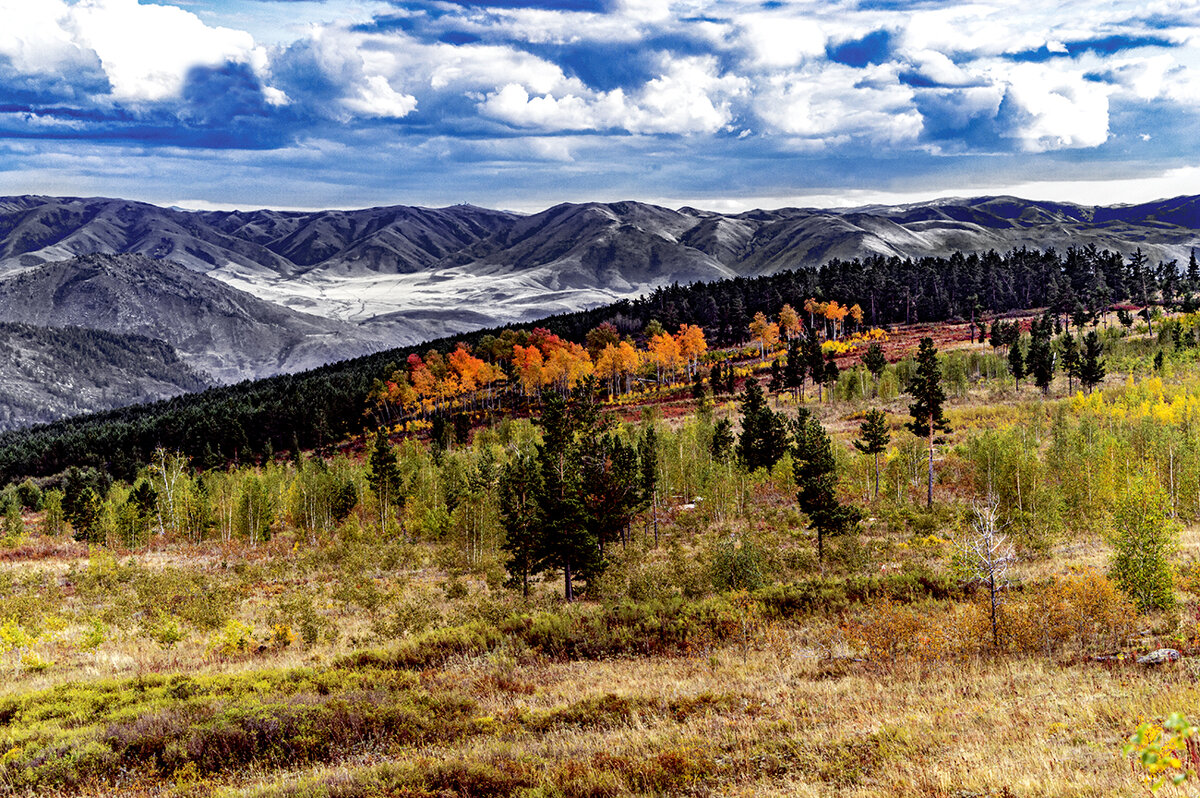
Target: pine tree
{"x": 1016, "y": 363}
{"x": 874, "y": 360}
{"x": 1091, "y": 370}
{"x": 794, "y": 369}
{"x": 521, "y": 514}
{"x": 1068, "y": 349}
{"x": 384, "y": 477}
{"x": 1041, "y": 355}
{"x": 815, "y": 474}
{"x": 831, "y": 374}
{"x": 1193, "y": 271}
{"x": 722, "y": 440}
{"x": 566, "y": 541}
{"x": 764, "y": 437}
{"x": 814, "y": 359}
{"x": 926, "y": 410}
{"x": 874, "y": 437}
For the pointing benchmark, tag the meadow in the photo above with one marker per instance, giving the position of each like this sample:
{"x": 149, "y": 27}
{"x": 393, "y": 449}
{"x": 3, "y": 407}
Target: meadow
{"x": 264, "y": 630}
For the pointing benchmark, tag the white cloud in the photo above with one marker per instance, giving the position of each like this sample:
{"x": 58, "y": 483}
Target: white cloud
{"x": 836, "y": 102}
{"x": 34, "y": 36}
{"x": 1055, "y": 109}
{"x": 377, "y": 98}
{"x": 147, "y": 50}
{"x": 782, "y": 41}
{"x": 689, "y": 97}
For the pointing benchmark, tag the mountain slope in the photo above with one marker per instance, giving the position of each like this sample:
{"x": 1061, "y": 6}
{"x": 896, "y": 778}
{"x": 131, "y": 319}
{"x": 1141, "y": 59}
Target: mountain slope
{"x": 225, "y": 333}
{"x": 46, "y": 373}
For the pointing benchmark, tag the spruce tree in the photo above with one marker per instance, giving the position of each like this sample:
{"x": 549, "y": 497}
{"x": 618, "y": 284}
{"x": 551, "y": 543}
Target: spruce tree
{"x": 926, "y": 409}
{"x": 1091, "y": 369}
{"x": 874, "y": 437}
{"x": 1041, "y": 355}
{"x": 815, "y": 474}
{"x": 874, "y": 360}
{"x": 384, "y": 477}
{"x": 814, "y": 360}
{"x": 722, "y": 440}
{"x": 764, "y": 437}
{"x": 1068, "y": 349}
{"x": 831, "y": 374}
{"x": 521, "y": 513}
{"x": 1016, "y": 363}
{"x": 794, "y": 369}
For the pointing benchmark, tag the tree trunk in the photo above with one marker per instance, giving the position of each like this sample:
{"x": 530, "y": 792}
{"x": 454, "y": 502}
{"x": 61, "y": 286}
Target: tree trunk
{"x": 876, "y": 475}
{"x": 570, "y": 593}
{"x": 929, "y": 501}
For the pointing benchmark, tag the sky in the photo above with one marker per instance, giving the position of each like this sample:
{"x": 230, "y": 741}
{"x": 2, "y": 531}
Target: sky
{"x": 521, "y": 104}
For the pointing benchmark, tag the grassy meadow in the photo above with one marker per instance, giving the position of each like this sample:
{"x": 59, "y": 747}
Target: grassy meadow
{"x": 262, "y": 631}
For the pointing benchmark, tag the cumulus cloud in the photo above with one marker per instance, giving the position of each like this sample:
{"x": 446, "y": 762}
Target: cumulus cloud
{"x": 689, "y": 97}
{"x": 1051, "y": 110}
{"x": 148, "y": 50}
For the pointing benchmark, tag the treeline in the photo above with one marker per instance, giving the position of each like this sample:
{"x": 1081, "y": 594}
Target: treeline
{"x": 319, "y": 407}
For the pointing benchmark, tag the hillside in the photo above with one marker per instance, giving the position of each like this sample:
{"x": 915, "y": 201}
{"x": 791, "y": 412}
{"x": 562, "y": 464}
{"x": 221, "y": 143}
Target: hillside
{"x": 723, "y": 610}
{"x": 219, "y": 331}
{"x": 46, "y": 373}
{"x": 415, "y": 273}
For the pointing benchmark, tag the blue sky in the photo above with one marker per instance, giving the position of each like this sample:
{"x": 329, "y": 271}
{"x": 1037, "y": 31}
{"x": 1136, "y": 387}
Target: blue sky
{"x": 524, "y": 103}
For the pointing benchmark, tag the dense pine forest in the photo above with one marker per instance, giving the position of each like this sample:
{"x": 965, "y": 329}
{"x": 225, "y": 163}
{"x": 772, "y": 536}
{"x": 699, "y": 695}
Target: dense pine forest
{"x": 769, "y": 536}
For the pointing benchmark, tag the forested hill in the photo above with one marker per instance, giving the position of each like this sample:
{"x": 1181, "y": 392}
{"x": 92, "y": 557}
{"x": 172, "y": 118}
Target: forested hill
{"x": 47, "y": 373}
{"x": 325, "y": 405}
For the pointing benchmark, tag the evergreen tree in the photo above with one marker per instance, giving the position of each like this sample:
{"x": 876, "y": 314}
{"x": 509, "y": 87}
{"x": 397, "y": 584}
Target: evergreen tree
{"x": 831, "y": 374}
{"x": 1068, "y": 349}
{"x": 1091, "y": 370}
{"x": 874, "y": 360}
{"x": 764, "y": 437}
{"x": 815, "y": 474}
{"x": 385, "y": 478}
{"x": 874, "y": 437}
{"x": 521, "y": 512}
{"x": 716, "y": 379}
{"x": 794, "y": 369}
{"x": 1041, "y": 355}
{"x": 722, "y": 440}
{"x": 926, "y": 409}
{"x": 567, "y": 542}
{"x": 814, "y": 359}
{"x": 1016, "y": 363}
{"x": 1193, "y": 271}
{"x": 996, "y": 336}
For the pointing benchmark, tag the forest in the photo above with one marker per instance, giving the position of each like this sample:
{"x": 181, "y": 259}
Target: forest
{"x": 319, "y": 408}
{"x": 631, "y": 552}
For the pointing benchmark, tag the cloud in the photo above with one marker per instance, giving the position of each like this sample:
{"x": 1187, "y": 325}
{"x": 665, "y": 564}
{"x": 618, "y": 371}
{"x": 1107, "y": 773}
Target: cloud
{"x": 143, "y": 67}
{"x": 805, "y": 90}
{"x": 688, "y": 97}
{"x": 1044, "y": 109}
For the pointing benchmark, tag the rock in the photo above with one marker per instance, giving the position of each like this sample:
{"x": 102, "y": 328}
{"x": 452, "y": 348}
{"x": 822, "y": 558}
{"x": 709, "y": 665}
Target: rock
{"x": 1158, "y": 657}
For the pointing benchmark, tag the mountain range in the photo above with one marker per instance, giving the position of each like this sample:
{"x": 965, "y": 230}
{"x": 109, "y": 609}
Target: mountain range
{"x": 241, "y": 294}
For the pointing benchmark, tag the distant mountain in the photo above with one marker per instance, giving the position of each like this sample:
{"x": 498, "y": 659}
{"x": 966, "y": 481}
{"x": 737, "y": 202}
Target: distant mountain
{"x": 224, "y": 333}
{"x": 251, "y": 293}
{"x": 410, "y": 273}
{"x": 46, "y": 374}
